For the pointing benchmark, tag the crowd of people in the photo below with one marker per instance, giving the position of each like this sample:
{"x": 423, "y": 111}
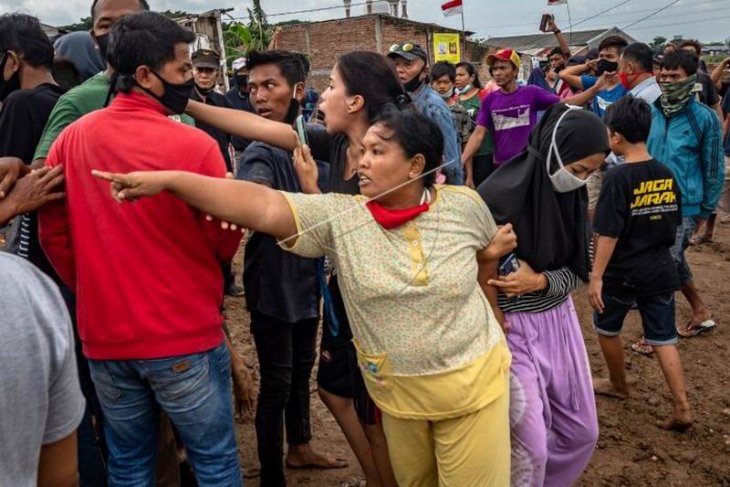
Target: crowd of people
{"x": 434, "y": 226}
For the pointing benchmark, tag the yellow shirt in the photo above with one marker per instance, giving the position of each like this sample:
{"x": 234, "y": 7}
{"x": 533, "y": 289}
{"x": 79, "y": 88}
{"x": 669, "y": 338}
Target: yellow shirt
{"x": 428, "y": 343}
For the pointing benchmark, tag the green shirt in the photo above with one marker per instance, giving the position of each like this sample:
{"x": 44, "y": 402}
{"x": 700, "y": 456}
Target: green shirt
{"x": 77, "y": 102}
{"x": 472, "y": 106}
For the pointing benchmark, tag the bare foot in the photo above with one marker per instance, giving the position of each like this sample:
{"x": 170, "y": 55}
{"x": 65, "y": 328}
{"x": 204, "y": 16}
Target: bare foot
{"x": 304, "y": 456}
{"x": 605, "y": 387}
{"x": 680, "y": 420}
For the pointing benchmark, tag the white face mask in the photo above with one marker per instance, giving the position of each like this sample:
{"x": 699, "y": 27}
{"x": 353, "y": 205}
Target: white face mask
{"x": 563, "y": 180}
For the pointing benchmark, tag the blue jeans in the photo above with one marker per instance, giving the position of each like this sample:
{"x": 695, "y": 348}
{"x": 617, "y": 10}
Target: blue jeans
{"x": 657, "y": 317}
{"x": 194, "y": 391}
{"x": 681, "y": 242}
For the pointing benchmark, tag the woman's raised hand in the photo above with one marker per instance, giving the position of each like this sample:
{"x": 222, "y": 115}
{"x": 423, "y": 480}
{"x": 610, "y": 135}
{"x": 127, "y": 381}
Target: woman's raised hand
{"x": 134, "y": 185}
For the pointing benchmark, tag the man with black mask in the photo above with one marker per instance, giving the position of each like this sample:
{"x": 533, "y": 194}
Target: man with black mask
{"x": 161, "y": 345}
{"x": 609, "y": 53}
{"x": 27, "y": 93}
{"x": 238, "y": 97}
{"x": 206, "y": 68}
{"x": 411, "y": 64}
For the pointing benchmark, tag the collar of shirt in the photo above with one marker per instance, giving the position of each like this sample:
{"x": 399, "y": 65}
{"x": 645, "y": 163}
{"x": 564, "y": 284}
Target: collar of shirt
{"x": 648, "y": 90}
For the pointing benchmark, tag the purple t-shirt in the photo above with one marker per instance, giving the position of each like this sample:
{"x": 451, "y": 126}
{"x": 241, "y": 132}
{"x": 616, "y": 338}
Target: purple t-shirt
{"x": 510, "y": 118}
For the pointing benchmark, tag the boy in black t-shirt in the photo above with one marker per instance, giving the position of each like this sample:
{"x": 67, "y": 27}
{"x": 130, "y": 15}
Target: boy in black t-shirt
{"x": 636, "y": 221}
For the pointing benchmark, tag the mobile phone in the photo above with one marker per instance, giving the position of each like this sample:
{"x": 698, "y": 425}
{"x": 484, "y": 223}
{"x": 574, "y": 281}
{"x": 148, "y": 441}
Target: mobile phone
{"x": 301, "y": 132}
{"x": 545, "y": 20}
{"x": 508, "y": 265}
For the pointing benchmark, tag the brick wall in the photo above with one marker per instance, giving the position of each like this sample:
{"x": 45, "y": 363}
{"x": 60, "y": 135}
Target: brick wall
{"x": 325, "y": 41}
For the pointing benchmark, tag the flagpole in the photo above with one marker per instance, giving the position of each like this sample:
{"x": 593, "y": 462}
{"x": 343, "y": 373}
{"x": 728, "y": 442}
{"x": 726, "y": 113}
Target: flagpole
{"x": 463, "y": 32}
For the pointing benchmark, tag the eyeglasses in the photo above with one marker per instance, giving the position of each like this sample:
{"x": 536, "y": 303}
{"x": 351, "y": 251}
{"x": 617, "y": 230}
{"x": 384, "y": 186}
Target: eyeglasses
{"x": 407, "y": 47}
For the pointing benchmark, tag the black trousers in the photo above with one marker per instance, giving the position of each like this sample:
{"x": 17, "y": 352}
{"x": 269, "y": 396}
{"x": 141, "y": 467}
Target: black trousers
{"x": 286, "y": 354}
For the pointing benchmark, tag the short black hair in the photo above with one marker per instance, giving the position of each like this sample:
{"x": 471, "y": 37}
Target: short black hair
{"x": 416, "y": 134}
{"x": 631, "y": 117}
{"x": 691, "y": 43}
{"x": 556, "y": 50}
{"x": 469, "y": 68}
{"x": 145, "y": 38}
{"x": 641, "y": 54}
{"x": 613, "y": 41}
{"x": 294, "y": 66}
{"x": 441, "y": 69}
{"x": 142, "y": 3}
{"x": 680, "y": 59}
{"x": 23, "y": 34}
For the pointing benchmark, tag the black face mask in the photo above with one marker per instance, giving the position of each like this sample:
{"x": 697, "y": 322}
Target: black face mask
{"x": 103, "y": 43}
{"x": 176, "y": 96}
{"x": 13, "y": 84}
{"x": 293, "y": 112}
{"x": 242, "y": 81}
{"x": 605, "y": 66}
{"x": 413, "y": 85}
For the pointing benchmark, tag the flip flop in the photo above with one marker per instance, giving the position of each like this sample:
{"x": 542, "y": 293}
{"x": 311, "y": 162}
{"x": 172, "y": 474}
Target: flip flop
{"x": 691, "y": 330}
{"x": 642, "y": 348}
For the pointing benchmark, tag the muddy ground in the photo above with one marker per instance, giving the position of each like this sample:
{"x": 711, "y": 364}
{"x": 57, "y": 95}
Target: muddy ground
{"x": 631, "y": 451}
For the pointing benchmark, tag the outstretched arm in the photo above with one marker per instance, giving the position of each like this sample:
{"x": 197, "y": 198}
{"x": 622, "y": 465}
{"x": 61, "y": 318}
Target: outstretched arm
{"x": 246, "y": 204}
{"x": 244, "y": 124}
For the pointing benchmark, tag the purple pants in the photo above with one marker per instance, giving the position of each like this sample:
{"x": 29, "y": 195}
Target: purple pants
{"x": 552, "y": 407}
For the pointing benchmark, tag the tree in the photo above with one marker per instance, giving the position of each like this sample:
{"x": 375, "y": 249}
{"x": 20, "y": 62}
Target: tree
{"x": 658, "y": 41}
{"x": 83, "y": 24}
{"x": 241, "y": 39}
{"x": 259, "y": 27}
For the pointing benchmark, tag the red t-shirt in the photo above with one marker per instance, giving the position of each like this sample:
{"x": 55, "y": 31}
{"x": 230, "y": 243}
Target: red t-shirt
{"x": 147, "y": 274}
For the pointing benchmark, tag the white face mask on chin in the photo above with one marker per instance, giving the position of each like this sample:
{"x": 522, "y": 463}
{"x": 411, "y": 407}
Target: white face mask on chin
{"x": 563, "y": 181}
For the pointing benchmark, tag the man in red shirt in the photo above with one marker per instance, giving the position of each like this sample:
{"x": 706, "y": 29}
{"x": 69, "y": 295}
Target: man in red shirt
{"x": 147, "y": 276}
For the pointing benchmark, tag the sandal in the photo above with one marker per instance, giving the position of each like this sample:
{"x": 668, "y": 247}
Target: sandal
{"x": 641, "y": 347}
{"x": 692, "y": 330}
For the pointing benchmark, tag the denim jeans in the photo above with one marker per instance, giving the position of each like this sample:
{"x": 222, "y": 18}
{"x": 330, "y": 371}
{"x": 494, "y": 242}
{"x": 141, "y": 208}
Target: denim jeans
{"x": 681, "y": 242}
{"x": 92, "y": 452}
{"x": 195, "y": 392}
{"x": 286, "y": 353}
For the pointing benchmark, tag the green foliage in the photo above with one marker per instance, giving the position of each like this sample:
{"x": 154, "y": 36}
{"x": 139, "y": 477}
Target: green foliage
{"x": 259, "y": 27}
{"x": 83, "y": 24}
{"x": 658, "y": 41}
{"x": 240, "y": 39}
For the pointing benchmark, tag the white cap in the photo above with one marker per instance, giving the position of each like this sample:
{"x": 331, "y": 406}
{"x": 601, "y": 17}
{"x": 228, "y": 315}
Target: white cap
{"x": 239, "y": 63}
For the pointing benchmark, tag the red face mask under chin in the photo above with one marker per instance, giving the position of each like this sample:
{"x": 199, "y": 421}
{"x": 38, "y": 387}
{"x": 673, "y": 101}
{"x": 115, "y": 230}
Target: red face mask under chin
{"x": 628, "y": 79}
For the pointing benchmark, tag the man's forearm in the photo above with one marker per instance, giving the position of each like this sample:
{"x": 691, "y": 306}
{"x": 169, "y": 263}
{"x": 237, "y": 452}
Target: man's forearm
{"x": 475, "y": 141}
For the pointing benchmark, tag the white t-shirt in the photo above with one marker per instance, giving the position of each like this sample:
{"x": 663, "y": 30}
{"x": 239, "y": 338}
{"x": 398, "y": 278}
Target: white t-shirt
{"x": 40, "y": 397}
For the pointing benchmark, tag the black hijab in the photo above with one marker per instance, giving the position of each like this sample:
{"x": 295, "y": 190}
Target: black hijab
{"x": 552, "y": 228}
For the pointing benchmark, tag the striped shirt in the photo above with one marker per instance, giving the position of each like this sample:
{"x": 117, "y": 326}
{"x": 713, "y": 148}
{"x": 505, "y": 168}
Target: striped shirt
{"x": 561, "y": 283}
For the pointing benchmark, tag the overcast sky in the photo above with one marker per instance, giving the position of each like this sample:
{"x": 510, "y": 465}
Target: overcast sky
{"x": 707, "y": 20}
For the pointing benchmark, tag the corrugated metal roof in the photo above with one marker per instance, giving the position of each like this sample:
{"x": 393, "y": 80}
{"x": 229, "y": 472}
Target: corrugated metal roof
{"x": 541, "y": 41}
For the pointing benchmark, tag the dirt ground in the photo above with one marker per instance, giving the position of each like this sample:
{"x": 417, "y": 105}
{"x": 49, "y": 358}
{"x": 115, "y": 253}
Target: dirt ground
{"x": 631, "y": 451}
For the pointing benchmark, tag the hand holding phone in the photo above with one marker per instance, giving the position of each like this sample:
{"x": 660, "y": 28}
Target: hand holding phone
{"x": 301, "y": 131}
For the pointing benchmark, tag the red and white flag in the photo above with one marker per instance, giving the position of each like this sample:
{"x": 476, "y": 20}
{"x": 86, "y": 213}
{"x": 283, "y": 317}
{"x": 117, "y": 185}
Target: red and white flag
{"x": 452, "y": 7}
{"x": 556, "y": 2}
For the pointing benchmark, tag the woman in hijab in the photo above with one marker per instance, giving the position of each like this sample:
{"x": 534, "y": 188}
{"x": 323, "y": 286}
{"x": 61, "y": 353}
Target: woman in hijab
{"x": 542, "y": 192}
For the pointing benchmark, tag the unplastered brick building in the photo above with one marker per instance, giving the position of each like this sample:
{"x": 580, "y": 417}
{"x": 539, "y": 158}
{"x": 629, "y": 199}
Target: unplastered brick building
{"x": 325, "y": 41}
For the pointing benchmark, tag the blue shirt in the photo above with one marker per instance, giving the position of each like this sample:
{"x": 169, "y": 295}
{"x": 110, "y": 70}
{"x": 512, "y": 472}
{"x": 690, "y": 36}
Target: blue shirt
{"x": 433, "y": 106}
{"x": 604, "y": 98}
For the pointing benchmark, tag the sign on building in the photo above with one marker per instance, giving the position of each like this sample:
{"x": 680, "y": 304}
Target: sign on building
{"x": 447, "y": 47}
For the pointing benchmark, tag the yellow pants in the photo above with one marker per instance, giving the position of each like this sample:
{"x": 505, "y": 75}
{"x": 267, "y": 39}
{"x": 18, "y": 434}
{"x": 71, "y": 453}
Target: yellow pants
{"x": 467, "y": 451}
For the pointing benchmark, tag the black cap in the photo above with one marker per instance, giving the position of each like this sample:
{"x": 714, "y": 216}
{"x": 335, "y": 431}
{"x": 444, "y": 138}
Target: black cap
{"x": 206, "y": 58}
{"x": 409, "y": 51}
